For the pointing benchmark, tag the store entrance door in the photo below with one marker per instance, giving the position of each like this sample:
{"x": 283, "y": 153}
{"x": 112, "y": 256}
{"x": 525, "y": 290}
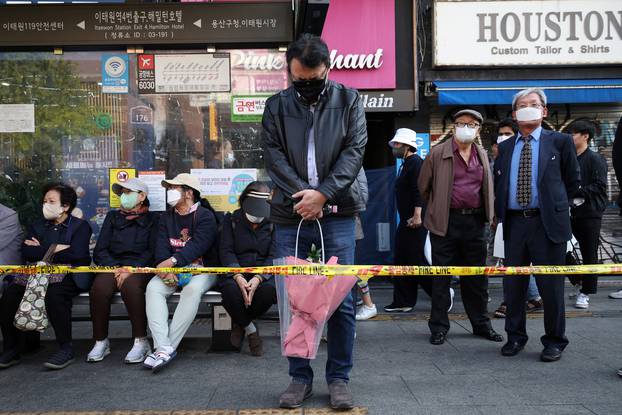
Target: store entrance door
{"x": 380, "y": 129}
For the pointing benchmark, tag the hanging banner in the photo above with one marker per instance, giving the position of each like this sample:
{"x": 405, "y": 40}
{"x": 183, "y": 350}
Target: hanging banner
{"x": 118, "y": 176}
{"x": 222, "y": 187}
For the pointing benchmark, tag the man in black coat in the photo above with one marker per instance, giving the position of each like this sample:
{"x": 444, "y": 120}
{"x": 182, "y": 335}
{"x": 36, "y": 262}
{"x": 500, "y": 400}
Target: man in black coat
{"x": 587, "y": 208}
{"x": 536, "y": 176}
{"x": 314, "y": 136}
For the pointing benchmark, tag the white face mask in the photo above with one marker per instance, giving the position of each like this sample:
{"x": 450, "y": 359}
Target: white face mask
{"x": 529, "y": 114}
{"x": 466, "y": 134}
{"x": 52, "y": 212}
{"x": 173, "y": 196}
{"x": 254, "y": 219}
{"x": 502, "y": 138}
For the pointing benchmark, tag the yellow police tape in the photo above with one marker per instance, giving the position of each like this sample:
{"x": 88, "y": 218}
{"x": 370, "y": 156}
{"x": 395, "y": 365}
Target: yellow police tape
{"x": 364, "y": 272}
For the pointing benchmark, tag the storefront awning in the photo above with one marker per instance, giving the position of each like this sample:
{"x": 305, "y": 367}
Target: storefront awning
{"x": 569, "y": 91}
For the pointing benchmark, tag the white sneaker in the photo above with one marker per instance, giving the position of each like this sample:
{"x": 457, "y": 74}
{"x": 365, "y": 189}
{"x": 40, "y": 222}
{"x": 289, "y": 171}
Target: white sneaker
{"x": 451, "y": 297}
{"x": 576, "y": 289}
{"x": 139, "y": 352}
{"x": 162, "y": 360}
{"x": 366, "y": 312}
{"x": 150, "y": 361}
{"x": 583, "y": 301}
{"x": 617, "y": 295}
{"x": 99, "y": 351}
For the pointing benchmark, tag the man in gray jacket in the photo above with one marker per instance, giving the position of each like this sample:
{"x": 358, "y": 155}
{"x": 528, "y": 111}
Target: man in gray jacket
{"x": 11, "y": 238}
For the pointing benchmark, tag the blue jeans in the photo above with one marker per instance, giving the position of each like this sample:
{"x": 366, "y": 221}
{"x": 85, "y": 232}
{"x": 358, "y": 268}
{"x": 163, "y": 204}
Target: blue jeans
{"x": 339, "y": 242}
{"x": 532, "y": 289}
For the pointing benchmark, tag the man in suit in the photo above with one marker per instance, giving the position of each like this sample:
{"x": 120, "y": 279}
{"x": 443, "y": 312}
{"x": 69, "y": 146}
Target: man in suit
{"x": 536, "y": 175}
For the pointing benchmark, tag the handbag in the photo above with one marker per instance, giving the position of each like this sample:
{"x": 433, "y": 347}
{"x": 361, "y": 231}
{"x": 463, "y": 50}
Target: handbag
{"x": 31, "y": 314}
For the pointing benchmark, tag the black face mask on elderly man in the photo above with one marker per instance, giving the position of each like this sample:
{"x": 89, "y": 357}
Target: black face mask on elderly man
{"x": 310, "y": 89}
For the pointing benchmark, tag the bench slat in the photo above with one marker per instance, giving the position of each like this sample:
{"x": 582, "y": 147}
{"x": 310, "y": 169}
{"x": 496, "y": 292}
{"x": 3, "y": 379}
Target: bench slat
{"x": 210, "y": 297}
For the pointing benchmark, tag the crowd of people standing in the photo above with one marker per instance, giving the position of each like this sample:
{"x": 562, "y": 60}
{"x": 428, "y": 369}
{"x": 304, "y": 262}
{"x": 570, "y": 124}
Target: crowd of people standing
{"x": 536, "y": 187}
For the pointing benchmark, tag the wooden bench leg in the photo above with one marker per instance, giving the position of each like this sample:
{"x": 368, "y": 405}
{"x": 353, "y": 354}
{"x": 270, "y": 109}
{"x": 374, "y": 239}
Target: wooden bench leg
{"x": 221, "y": 330}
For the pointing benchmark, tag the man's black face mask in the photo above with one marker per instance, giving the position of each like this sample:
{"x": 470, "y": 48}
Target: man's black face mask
{"x": 311, "y": 89}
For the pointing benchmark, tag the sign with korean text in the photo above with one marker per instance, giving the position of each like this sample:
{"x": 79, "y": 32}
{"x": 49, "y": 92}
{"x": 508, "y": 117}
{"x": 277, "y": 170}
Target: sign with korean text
{"x": 184, "y": 73}
{"x": 270, "y": 83}
{"x": 527, "y": 32}
{"x": 143, "y": 24}
{"x": 222, "y": 187}
{"x": 146, "y": 74}
{"x": 118, "y": 176}
{"x": 247, "y": 108}
{"x": 361, "y": 38}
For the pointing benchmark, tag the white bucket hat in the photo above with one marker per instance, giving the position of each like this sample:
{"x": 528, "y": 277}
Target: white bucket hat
{"x": 404, "y": 136}
{"x": 183, "y": 179}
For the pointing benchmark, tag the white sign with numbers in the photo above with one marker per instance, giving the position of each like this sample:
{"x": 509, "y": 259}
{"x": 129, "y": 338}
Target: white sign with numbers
{"x": 192, "y": 73}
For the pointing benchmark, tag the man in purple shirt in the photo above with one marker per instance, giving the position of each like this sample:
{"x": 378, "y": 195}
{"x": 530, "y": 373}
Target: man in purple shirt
{"x": 455, "y": 181}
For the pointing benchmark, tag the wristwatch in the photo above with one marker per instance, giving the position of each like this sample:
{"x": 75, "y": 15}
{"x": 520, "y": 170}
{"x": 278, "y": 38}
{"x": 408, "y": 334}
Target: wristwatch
{"x": 174, "y": 260}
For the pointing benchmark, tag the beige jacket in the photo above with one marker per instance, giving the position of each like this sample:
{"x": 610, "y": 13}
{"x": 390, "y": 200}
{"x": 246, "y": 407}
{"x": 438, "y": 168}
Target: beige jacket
{"x": 436, "y": 182}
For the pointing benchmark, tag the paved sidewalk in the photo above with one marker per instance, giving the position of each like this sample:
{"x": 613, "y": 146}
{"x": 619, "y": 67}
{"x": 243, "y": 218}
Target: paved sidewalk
{"x": 396, "y": 371}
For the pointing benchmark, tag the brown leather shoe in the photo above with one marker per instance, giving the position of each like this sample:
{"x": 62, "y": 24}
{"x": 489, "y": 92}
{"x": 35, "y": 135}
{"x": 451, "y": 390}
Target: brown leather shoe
{"x": 340, "y": 395}
{"x": 295, "y": 394}
{"x": 501, "y": 311}
{"x": 534, "y": 305}
{"x": 255, "y": 344}
{"x": 237, "y": 336}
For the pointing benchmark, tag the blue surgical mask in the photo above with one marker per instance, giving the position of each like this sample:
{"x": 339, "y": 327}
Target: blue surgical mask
{"x": 129, "y": 200}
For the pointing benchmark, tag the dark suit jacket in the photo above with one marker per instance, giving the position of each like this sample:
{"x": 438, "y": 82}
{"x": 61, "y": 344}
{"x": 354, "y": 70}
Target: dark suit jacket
{"x": 558, "y": 181}
{"x": 11, "y": 237}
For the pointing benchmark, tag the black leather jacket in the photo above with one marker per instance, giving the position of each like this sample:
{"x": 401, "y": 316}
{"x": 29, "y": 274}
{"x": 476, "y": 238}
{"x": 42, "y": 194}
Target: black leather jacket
{"x": 340, "y": 133}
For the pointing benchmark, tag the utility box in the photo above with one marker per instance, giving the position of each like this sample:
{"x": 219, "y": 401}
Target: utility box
{"x": 221, "y": 330}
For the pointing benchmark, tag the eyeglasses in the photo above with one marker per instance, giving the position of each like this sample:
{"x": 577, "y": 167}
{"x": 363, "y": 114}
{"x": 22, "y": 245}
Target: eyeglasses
{"x": 472, "y": 124}
{"x": 521, "y": 106}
